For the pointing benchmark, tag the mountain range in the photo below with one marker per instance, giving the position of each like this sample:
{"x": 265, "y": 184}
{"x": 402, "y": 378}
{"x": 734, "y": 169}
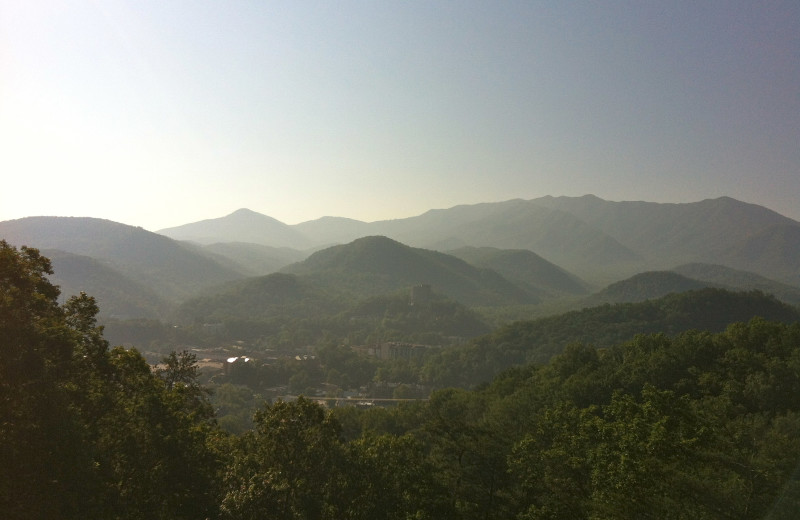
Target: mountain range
{"x": 507, "y": 253}
{"x": 600, "y": 241}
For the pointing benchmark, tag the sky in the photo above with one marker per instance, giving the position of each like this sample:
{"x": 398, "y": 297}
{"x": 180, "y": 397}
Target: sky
{"x": 160, "y": 113}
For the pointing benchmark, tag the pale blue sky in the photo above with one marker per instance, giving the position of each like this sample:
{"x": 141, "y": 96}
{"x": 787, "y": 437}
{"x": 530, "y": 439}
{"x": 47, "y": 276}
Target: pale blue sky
{"x": 158, "y": 113}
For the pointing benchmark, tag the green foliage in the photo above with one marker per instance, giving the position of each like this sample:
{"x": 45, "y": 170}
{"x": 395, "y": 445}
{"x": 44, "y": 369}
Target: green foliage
{"x": 287, "y": 466}
{"x": 391, "y": 478}
{"x": 345, "y": 368}
{"x": 234, "y": 406}
{"x": 88, "y": 432}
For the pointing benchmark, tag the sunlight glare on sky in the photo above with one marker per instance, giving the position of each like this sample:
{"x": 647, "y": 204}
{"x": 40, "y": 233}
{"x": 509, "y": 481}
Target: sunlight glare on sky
{"x": 161, "y": 113}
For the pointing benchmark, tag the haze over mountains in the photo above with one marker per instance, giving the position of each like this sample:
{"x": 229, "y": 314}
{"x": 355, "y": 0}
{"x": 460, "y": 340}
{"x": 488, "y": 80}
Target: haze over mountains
{"x": 599, "y": 240}
{"x": 508, "y": 253}
{"x": 172, "y": 269}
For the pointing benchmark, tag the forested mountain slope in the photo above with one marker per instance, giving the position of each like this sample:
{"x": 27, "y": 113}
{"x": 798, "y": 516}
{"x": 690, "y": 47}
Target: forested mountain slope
{"x": 645, "y": 286}
{"x": 376, "y": 265}
{"x": 287, "y": 310}
{"x": 655, "y": 284}
{"x": 538, "y": 340}
{"x": 277, "y": 295}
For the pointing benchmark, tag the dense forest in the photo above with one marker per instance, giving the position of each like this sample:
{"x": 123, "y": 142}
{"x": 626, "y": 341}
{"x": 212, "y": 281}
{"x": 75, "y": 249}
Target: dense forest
{"x": 669, "y": 423}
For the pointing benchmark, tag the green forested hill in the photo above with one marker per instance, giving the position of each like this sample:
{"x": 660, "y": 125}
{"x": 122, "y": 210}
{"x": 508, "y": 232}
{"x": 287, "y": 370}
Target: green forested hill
{"x": 538, "y": 340}
{"x": 392, "y": 318}
{"x": 699, "y": 425}
{"x": 290, "y": 310}
{"x": 376, "y": 265}
{"x": 645, "y": 286}
{"x": 655, "y": 284}
{"x": 275, "y": 309}
{"x": 270, "y": 296}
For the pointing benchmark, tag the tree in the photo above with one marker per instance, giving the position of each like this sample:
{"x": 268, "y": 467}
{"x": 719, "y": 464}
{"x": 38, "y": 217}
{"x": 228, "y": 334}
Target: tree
{"x": 86, "y": 432}
{"x": 46, "y": 464}
{"x": 550, "y": 467}
{"x": 391, "y": 478}
{"x": 287, "y": 466}
{"x": 469, "y": 451}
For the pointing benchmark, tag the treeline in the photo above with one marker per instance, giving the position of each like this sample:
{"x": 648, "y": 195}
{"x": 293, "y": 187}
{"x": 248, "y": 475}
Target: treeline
{"x": 537, "y": 341}
{"x": 698, "y": 425}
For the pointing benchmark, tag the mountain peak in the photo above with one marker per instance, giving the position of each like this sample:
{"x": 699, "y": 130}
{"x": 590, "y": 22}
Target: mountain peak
{"x": 377, "y": 264}
{"x": 243, "y": 225}
{"x": 245, "y": 211}
{"x": 248, "y": 214}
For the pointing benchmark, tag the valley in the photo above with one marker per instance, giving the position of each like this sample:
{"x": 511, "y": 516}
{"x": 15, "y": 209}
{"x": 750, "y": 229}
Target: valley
{"x": 247, "y": 285}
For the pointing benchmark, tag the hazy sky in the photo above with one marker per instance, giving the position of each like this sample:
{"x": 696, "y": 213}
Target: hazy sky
{"x": 159, "y": 113}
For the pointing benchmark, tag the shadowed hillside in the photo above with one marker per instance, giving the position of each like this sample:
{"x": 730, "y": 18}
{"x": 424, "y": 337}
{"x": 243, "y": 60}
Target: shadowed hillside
{"x": 277, "y": 294}
{"x": 773, "y": 252}
{"x": 117, "y": 295}
{"x": 165, "y": 266}
{"x": 727, "y": 277}
{"x": 645, "y": 286}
